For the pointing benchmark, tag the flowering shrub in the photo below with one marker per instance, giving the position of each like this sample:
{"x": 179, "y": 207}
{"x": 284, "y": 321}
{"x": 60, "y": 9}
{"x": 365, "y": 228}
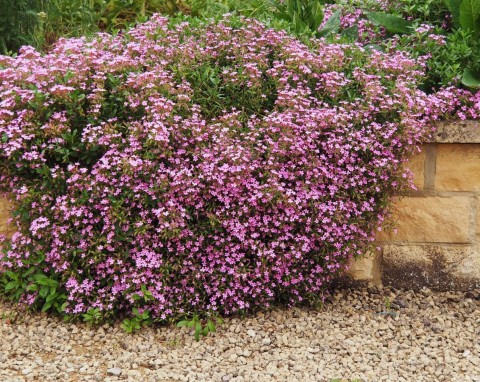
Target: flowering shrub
{"x": 218, "y": 167}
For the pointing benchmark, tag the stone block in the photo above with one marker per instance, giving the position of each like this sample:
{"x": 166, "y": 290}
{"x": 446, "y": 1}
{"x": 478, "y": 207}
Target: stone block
{"x": 458, "y": 167}
{"x": 457, "y": 132}
{"x": 417, "y": 165}
{"x": 439, "y": 267}
{"x": 4, "y": 216}
{"x": 478, "y": 221}
{"x": 431, "y": 220}
{"x": 365, "y": 268}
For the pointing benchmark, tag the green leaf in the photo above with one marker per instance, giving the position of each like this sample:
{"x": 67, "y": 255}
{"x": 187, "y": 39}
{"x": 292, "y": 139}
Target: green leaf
{"x": 44, "y": 292}
{"x": 136, "y": 297}
{"x": 454, "y": 8}
{"x": 183, "y": 323}
{"x": 62, "y": 307}
{"x": 127, "y": 326}
{"x": 298, "y": 24}
{"x": 470, "y": 15}
{"x": 12, "y": 275}
{"x": 332, "y": 25}
{"x": 350, "y": 33}
{"x": 32, "y": 288}
{"x": 11, "y": 285}
{"x": 29, "y": 271}
{"x": 51, "y": 298}
{"x": 211, "y": 326}
{"x": 316, "y": 15}
{"x": 41, "y": 279}
{"x": 392, "y": 23}
{"x": 4, "y": 137}
{"x": 47, "y": 306}
{"x": 471, "y": 78}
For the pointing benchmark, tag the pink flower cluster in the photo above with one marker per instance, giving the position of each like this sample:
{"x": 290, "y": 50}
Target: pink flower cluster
{"x": 217, "y": 167}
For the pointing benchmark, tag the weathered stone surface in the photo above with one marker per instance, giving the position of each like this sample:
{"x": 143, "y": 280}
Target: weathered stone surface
{"x": 458, "y": 167}
{"x": 4, "y": 216}
{"x": 457, "y": 132}
{"x": 478, "y": 221}
{"x": 431, "y": 220}
{"x": 365, "y": 268}
{"x": 440, "y": 267}
{"x": 417, "y": 165}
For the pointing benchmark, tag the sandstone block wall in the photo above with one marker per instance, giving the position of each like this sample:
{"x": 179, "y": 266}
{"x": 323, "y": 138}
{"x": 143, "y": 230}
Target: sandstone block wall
{"x": 437, "y": 240}
{"x": 5, "y": 228}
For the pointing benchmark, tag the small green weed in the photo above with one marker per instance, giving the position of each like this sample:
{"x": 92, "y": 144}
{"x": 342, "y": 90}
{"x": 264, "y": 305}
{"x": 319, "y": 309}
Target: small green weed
{"x": 201, "y": 327}
{"x": 93, "y": 316}
{"x": 9, "y": 317}
{"x": 388, "y": 311}
{"x": 137, "y": 322}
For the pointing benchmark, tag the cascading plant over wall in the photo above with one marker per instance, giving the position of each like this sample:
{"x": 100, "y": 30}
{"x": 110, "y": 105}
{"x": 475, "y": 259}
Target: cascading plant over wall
{"x": 190, "y": 168}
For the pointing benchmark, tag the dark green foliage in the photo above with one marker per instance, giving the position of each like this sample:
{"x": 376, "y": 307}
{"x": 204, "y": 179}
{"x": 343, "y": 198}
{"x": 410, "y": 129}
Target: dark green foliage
{"x": 454, "y": 8}
{"x": 471, "y": 78}
{"x": 332, "y": 25}
{"x": 303, "y": 15}
{"x": 19, "y": 24}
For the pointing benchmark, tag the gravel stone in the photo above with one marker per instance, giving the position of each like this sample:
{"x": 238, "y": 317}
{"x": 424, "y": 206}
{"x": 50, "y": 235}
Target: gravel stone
{"x": 251, "y": 333}
{"x": 423, "y": 336}
{"x": 266, "y": 341}
{"x": 116, "y": 371}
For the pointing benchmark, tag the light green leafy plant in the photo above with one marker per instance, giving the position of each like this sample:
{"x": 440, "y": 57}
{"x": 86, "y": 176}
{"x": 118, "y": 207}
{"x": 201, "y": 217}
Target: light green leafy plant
{"x": 201, "y": 327}
{"x": 93, "y": 316}
{"x": 392, "y": 23}
{"x": 466, "y": 15}
{"x": 137, "y": 321}
{"x": 302, "y": 14}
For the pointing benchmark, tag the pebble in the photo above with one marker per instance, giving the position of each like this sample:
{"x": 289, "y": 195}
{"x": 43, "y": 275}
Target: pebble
{"x": 251, "y": 333}
{"x": 116, "y": 371}
{"x": 426, "y": 336}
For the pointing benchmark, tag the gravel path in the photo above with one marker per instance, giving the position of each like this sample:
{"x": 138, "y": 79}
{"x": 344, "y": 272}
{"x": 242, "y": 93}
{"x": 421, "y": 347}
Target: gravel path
{"x": 424, "y": 336}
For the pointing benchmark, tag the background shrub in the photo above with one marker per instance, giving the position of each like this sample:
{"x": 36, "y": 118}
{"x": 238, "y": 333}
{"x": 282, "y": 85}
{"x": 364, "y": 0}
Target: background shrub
{"x": 428, "y": 28}
{"x": 192, "y": 167}
{"x": 435, "y": 29}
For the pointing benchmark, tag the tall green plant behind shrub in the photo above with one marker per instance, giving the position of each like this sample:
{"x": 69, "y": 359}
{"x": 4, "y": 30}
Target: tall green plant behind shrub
{"x": 19, "y": 24}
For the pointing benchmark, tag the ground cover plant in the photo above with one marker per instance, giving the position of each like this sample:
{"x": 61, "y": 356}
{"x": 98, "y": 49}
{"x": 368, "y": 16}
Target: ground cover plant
{"x": 186, "y": 169}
